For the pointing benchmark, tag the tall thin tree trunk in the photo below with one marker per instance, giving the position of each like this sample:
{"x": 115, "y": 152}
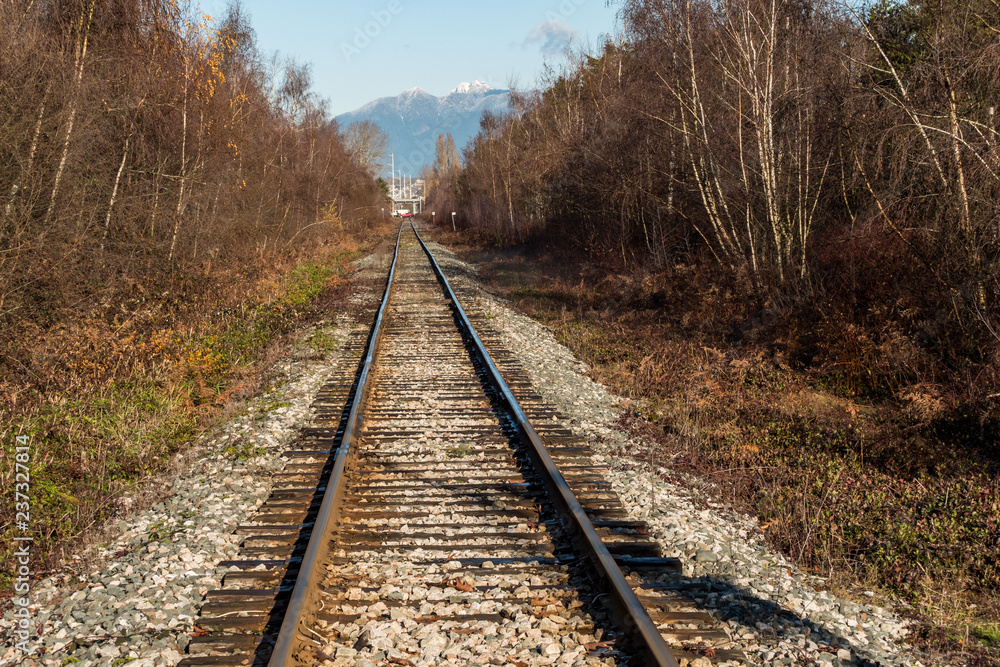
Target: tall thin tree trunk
{"x": 963, "y": 195}
{"x": 16, "y": 188}
{"x": 197, "y": 228}
{"x": 905, "y": 102}
{"x": 180, "y": 196}
{"x": 510, "y": 197}
{"x": 81, "y": 57}
{"x": 114, "y": 193}
{"x": 215, "y": 204}
{"x": 156, "y": 200}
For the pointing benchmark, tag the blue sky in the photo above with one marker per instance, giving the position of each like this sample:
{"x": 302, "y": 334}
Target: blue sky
{"x": 364, "y": 49}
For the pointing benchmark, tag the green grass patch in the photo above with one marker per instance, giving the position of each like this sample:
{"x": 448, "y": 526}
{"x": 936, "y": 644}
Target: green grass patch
{"x": 269, "y": 406}
{"x": 306, "y": 282}
{"x": 459, "y": 452}
{"x": 322, "y": 342}
{"x": 244, "y": 452}
{"x": 247, "y": 332}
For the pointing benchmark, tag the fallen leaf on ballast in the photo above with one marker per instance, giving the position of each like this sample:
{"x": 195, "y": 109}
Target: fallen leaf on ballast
{"x": 599, "y": 646}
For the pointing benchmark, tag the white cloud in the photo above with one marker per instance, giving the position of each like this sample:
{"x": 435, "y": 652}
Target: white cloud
{"x": 553, "y": 35}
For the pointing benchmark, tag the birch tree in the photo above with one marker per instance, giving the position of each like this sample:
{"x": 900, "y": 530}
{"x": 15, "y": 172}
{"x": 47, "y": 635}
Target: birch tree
{"x": 369, "y": 144}
{"x": 198, "y": 75}
{"x": 745, "y": 113}
{"x": 80, "y": 61}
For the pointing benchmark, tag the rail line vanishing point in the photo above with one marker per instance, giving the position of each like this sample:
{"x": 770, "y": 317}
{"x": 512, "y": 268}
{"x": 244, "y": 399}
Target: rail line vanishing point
{"x": 436, "y": 510}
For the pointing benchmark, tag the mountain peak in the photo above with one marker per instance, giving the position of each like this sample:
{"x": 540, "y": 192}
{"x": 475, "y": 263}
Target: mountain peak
{"x": 476, "y": 86}
{"x": 414, "y": 119}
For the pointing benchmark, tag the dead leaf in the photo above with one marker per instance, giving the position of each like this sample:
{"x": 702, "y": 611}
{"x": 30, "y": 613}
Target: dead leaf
{"x": 428, "y": 619}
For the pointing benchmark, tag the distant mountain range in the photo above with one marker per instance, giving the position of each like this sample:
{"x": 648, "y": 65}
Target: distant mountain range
{"x": 414, "y": 119}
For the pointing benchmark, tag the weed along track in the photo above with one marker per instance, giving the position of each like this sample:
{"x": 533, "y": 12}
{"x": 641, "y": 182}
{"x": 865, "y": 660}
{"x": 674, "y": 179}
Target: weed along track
{"x": 430, "y": 517}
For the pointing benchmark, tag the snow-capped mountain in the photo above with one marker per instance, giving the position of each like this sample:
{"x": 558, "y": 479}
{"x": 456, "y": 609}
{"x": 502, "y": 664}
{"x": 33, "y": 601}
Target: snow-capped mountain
{"x": 474, "y": 87}
{"x": 414, "y": 119}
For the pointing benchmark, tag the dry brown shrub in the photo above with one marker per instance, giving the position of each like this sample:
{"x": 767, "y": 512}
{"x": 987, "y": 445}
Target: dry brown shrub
{"x": 925, "y": 402}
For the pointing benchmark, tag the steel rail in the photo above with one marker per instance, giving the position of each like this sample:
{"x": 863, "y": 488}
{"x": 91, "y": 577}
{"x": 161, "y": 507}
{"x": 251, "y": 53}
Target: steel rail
{"x": 319, "y": 542}
{"x": 627, "y": 612}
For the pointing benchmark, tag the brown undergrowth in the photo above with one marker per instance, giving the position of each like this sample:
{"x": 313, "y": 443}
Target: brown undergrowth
{"x": 108, "y": 393}
{"x": 857, "y": 467}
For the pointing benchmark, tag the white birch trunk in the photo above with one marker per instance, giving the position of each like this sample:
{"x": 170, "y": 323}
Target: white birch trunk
{"x": 16, "y": 188}
{"x": 180, "y": 196}
{"x": 114, "y": 194}
{"x": 81, "y": 57}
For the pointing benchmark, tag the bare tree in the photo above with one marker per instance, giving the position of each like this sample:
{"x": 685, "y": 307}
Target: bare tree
{"x": 369, "y": 145}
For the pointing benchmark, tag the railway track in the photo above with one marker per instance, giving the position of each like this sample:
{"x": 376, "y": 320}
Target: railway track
{"x": 438, "y": 512}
